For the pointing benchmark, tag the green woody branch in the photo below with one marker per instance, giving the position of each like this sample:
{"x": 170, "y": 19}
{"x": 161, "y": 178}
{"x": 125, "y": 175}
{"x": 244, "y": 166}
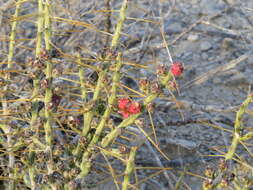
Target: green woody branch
{"x": 86, "y": 162}
{"x": 237, "y": 129}
{"x": 129, "y": 168}
{"x": 5, "y": 127}
{"x": 115, "y": 39}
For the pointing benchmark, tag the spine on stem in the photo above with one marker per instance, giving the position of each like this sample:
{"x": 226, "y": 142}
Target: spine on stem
{"x": 7, "y": 129}
{"x": 114, "y": 43}
{"x": 35, "y": 92}
{"x": 237, "y": 128}
{"x": 48, "y": 92}
{"x": 86, "y": 162}
{"x": 129, "y": 168}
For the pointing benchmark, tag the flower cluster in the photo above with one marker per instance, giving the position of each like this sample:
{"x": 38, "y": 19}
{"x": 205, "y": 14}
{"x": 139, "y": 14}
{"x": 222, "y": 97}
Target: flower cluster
{"x": 177, "y": 68}
{"x": 127, "y": 107}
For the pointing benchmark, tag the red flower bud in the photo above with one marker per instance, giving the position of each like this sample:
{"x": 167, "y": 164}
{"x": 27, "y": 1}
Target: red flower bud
{"x": 128, "y": 107}
{"x": 177, "y": 68}
{"x": 134, "y": 108}
{"x": 123, "y": 103}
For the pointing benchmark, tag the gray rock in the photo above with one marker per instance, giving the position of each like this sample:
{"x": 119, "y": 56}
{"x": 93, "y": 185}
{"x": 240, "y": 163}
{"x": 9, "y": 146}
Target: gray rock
{"x": 205, "y": 45}
{"x": 204, "y": 56}
{"x": 193, "y": 37}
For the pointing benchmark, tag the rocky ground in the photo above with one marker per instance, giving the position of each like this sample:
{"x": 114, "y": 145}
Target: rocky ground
{"x": 213, "y": 38}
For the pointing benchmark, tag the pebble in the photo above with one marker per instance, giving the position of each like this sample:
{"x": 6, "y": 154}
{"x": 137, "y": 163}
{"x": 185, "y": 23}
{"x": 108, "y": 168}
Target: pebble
{"x": 205, "y": 45}
{"x": 193, "y": 37}
{"x": 227, "y": 43}
{"x": 204, "y": 56}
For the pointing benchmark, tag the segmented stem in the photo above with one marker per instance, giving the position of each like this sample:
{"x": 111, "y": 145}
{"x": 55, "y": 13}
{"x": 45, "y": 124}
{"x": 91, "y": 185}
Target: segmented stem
{"x": 48, "y": 92}
{"x": 7, "y": 129}
{"x": 237, "y": 129}
{"x": 35, "y": 92}
{"x": 129, "y": 168}
{"x": 86, "y": 162}
{"x": 114, "y": 43}
{"x": 122, "y": 17}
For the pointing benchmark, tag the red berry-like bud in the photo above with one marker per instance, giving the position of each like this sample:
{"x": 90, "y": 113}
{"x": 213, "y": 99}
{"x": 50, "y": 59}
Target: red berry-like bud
{"x": 177, "y": 68}
{"x": 128, "y": 107}
{"x": 123, "y": 103}
{"x": 134, "y": 108}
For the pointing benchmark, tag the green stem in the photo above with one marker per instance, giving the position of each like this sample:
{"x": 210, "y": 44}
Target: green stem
{"x": 122, "y": 17}
{"x": 237, "y": 128}
{"x": 117, "y": 131}
{"x": 85, "y": 165}
{"x": 13, "y": 34}
{"x": 40, "y": 26}
{"x": 88, "y": 116}
{"x": 35, "y": 103}
{"x": 129, "y": 168}
{"x": 49, "y": 92}
{"x": 4, "y": 103}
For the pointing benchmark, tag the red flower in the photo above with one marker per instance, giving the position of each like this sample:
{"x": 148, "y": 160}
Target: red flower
{"x": 177, "y": 68}
{"x": 134, "y": 108}
{"x": 128, "y": 107}
{"x": 123, "y": 103}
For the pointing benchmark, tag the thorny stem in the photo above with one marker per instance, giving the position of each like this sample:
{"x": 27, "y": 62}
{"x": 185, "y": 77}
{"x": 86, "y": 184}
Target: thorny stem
{"x": 35, "y": 103}
{"x": 88, "y": 116}
{"x": 40, "y": 27}
{"x": 7, "y": 129}
{"x": 102, "y": 74}
{"x": 49, "y": 92}
{"x": 237, "y": 128}
{"x": 86, "y": 162}
{"x": 129, "y": 168}
{"x": 122, "y": 17}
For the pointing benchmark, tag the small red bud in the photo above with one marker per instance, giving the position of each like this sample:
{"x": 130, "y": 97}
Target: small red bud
{"x": 128, "y": 107}
{"x": 177, "y": 68}
{"x": 123, "y": 103}
{"x": 134, "y": 108}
